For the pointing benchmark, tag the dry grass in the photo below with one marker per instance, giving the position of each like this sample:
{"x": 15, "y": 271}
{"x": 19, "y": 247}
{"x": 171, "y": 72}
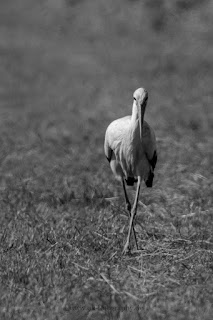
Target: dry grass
{"x": 67, "y": 69}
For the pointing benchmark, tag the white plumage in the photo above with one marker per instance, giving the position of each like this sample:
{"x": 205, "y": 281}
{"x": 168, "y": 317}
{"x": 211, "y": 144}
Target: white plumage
{"x": 130, "y": 147}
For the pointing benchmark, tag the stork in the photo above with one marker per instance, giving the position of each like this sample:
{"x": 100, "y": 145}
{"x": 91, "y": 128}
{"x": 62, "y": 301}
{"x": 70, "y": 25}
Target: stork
{"x": 130, "y": 147}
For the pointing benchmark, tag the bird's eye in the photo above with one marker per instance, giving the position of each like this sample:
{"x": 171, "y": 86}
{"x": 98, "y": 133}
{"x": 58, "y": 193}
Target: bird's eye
{"x": 134, "y": 98}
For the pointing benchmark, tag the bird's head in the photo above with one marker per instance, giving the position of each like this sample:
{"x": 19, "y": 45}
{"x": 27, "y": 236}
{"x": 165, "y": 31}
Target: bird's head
{"x": 140, "y": 96}
{"x": 140, "y": 99}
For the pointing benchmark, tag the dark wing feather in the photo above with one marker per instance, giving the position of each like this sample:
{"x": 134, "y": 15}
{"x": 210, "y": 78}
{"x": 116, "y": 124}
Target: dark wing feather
{"x": 110, "y": 157}
{"x": 153, "y": 161}
{"x": 108, "y": 151}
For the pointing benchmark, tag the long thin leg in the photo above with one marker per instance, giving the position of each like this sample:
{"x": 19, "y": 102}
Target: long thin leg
{"x": 133, "y": 213}
{"x": 128, "y": 206}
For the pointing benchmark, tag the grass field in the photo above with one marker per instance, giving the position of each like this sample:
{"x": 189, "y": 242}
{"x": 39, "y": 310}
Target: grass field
{"x": 68, "y": 68}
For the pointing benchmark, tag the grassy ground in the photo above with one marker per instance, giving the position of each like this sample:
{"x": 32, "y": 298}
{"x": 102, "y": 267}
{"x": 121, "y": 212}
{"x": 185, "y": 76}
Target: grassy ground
{"x": 67, "y": 69}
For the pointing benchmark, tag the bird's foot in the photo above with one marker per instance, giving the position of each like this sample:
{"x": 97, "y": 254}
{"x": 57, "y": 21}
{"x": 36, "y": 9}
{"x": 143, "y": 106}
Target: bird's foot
{"x": 126, "y": 249}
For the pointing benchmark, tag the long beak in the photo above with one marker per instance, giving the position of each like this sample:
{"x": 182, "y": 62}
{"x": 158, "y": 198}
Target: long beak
{"x": 140, "y": 124}
{"x": 141, "y": 111}
{"x": 140, "y": 116}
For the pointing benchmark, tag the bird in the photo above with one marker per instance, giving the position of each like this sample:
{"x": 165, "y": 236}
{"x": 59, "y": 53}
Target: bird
{"x": 130, "y": 148}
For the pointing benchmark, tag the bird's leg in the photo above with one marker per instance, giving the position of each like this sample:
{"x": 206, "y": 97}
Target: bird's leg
{"x": 128, "y": 206}
{"x": 133, "y": 213}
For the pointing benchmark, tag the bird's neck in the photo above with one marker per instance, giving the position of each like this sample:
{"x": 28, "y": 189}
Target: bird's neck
{"x": 135, "y": 115}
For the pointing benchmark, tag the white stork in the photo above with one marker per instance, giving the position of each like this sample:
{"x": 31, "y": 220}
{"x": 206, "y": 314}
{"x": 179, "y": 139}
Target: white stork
{"x": 130, "y": 147}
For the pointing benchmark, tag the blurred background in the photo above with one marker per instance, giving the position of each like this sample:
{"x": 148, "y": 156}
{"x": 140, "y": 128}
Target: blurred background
{"x": 68, "y": 68}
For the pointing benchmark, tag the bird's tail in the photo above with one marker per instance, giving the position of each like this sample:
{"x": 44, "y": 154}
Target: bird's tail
{"x": 130, "y": 181}
{"x": 149, "y": 181}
